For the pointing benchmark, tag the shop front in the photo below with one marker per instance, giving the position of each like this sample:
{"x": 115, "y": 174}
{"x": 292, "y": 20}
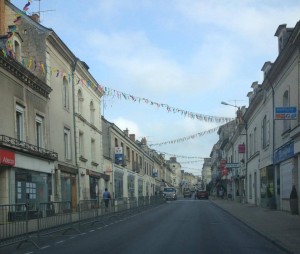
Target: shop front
{"x": 67, "y": 185}
{"x": 30, "y": 180}
{"x": 267, "y": 187}
{"x": 95, "y": 183}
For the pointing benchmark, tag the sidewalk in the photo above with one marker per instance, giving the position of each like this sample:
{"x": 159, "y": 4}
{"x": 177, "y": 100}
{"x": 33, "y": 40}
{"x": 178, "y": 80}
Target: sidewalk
{"x": 280, "y": 227}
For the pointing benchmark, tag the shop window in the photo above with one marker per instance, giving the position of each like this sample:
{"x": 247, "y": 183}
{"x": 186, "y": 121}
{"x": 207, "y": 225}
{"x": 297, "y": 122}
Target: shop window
{"x": 94, "y": 187}
{"x": 32, "y": 187}
{"x": 118, "y": 185}
{"x": 66, "y": 187}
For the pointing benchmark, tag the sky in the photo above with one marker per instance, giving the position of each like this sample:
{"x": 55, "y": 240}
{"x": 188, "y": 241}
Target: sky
{"x": 188, "y": 54}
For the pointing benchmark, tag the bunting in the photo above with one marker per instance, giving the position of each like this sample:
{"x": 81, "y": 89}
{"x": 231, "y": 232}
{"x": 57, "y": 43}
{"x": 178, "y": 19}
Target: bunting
{"x": 43, "y": 69}
{"x": 191, "y": 162}
{"x": 175, "y": 141}
{"x": 179, "y": 156}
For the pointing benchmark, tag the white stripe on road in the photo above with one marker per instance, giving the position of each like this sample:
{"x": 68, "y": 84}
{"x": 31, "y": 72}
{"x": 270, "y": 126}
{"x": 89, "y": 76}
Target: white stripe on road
{"x": 45, "y": 247}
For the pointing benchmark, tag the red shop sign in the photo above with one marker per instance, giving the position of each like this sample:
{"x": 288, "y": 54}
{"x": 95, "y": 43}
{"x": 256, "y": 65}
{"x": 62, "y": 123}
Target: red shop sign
{"x": 242, "y": 148}
{"x": 7, "y": 158}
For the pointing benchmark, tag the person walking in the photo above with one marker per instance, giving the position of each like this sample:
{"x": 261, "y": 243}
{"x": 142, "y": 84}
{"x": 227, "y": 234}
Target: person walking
{"x": 106, "y": 197}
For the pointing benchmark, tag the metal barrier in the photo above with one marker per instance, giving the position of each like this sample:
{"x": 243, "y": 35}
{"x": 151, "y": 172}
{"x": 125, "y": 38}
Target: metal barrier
{"x": 14, "y": 224}
{"x": 19, "y": 222}
{"x": 54, "y": 217}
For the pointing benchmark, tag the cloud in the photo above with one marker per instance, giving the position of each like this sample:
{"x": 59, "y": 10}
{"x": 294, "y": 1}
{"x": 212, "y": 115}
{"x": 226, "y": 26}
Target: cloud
{"x": 133, "y": 127}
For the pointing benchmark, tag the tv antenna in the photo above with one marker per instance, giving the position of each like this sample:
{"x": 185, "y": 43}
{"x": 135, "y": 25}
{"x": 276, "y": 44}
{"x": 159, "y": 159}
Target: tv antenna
{"x": 39, "y": 12}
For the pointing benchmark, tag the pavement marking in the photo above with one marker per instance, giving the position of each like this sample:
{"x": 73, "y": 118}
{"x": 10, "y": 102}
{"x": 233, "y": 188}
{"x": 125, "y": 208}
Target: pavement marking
{"x": 91, "y": 230}
{"x": 73, "y": 237}
{"x": 82, "y": 234}
{"x": 29, "y": 252}
{"x": 45, "y": 247}
{"x": 59, "y": 242}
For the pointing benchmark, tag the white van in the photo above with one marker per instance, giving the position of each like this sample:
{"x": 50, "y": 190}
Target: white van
{"x": 170, "y": 193}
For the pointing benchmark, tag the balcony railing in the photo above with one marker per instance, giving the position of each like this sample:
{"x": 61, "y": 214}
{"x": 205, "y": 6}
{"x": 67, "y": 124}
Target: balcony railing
{"x": 26, "y": 147}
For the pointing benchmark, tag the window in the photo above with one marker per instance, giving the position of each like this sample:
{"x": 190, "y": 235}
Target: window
{"x": 251, "y": 144}
{"x": 250, "y": 186}
{"x": 92, "y": 113}
{"x": 128, "y": 153}
{"x": 265, "y": 132}
{"x": 254, "y": 140}
{"x": 17, "y": 50}
{"x": 65, "y": 93}
{"x": 93, "y": 150}
{"x": 81, "y": 144}
{"x": 285, "y": 103}
{"x": 20, "y": 123}
{"x": 116, "y": 142}
{"x": 67, "y": 144}
{"x": 80, "y": 102}
{"x": 39, "y": 128}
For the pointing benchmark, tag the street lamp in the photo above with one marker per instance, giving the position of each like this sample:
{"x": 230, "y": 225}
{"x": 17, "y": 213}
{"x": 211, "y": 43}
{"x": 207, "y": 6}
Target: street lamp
{"x": 228, "y": 104}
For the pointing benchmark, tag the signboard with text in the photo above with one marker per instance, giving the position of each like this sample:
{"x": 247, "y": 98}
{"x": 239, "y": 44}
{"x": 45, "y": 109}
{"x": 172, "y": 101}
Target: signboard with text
{"x": 7, "y": 157}
{"x": 286, "y": 113}
{"x": 232, "y": 165}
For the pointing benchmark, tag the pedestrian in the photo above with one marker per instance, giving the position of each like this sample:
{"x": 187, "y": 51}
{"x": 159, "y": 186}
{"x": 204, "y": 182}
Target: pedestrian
{"x": 106, "y": 197}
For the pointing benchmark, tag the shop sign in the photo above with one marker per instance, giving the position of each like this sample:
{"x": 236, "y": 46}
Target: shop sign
{"x": 284, "y": 153}
{"x": 118, "y": 150}
{"x": 242, "y": 148}
{"x": 7, "y": 157}
{"x": 232, "y": 165}
{"x": 285, "y": 113}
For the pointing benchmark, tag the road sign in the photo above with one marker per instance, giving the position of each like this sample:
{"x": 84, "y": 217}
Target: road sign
{"x": 285, "y": 113}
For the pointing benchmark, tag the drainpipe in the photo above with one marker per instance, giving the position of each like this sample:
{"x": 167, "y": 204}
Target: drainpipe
{"x": 74, "y": 124}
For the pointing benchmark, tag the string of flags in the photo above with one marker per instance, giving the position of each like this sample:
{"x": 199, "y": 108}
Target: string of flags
{"x": 195, "y": 169}
{"x": 190, "y": 162}
{"x": 200, "y": 134}
{"x": 44, "y": 69}
{"x": 179, "y": 156}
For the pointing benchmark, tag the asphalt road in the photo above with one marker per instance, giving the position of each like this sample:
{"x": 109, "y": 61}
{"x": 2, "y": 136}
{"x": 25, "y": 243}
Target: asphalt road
{"x": 183, "y": 226}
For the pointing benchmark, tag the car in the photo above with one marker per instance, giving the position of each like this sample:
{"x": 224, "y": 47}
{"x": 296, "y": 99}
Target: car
{"x": 170, "y": 193}
{"x": 187, "y": 193}
{"x": 202, "y": 194}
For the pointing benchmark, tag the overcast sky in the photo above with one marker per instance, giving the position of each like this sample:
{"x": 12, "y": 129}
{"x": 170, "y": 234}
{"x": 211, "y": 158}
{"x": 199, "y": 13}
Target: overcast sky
{"x": 188, "y": 54}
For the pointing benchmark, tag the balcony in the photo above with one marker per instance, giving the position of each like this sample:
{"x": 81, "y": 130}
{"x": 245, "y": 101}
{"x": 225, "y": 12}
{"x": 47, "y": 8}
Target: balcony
{"x": 22, "y": 146}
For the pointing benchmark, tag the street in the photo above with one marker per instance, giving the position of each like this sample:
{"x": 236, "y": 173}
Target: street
{"x": 181, "y": 226}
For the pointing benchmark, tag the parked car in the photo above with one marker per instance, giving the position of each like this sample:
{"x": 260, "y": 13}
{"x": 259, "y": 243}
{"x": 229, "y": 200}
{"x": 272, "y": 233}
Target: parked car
{"x": 202, "y": 194}
{"x": 170, "y": 193}
{"x": 187, "y": 192}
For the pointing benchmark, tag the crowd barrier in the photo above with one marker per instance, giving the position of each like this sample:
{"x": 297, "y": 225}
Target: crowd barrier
{"x": 19, "y": 222}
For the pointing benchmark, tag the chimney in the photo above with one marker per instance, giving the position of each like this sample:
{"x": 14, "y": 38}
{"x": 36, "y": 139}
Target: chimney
{"x": 132, "y": 137}
{"x": 2, "y": 17}
{"x": 173, "y": 159}
{"x": 35, "y": 17}
{"x": 126, "y": 132}
{"x": 144, "y": 141}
